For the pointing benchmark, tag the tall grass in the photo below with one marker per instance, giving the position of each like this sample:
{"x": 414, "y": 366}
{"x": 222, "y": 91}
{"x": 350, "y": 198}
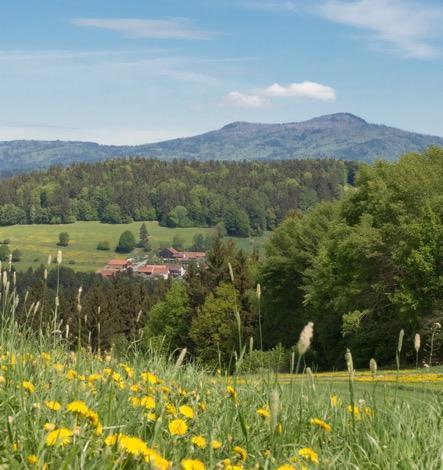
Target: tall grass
{"x": 234, "y": 422}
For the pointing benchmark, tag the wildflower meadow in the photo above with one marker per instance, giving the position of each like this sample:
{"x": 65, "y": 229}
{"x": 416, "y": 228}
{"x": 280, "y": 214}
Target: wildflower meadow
{"x": 63, "y": 408}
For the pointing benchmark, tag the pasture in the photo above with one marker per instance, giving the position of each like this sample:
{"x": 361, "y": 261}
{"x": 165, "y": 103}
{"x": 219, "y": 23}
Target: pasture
{"x": 36, "y": 242}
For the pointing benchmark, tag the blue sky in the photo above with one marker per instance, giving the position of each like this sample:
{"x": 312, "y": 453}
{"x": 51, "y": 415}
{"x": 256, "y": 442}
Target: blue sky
{"x": 135, "y": 71}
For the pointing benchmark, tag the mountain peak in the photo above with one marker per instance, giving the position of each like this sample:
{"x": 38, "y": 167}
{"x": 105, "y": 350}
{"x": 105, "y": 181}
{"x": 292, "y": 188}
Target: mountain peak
{"x": 339, "y": 118}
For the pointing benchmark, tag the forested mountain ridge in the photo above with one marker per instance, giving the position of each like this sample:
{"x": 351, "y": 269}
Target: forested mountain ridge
{"x": 247, "y": 197}
{"x": 340, "y": 136}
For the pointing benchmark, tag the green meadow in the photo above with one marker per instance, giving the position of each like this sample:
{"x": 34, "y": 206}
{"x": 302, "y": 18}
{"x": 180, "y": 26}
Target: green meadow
{"x": 36, "y": 242}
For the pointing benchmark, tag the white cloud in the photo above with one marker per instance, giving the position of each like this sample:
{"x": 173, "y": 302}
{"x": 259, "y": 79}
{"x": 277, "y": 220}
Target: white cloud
{"x": 177, "y": 28}
{"x": 306, "y": 89}
{"x": 241, "y": 100}
{"x": 259, "y": 98}
{"x": 406, "y": 27}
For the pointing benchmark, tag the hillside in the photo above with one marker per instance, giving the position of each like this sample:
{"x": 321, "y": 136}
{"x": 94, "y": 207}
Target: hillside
{"x": 341, "y": 136}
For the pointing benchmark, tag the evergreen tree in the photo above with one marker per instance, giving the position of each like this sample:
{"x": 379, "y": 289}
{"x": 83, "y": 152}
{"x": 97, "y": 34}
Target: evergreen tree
{"x": 126, "y": 243}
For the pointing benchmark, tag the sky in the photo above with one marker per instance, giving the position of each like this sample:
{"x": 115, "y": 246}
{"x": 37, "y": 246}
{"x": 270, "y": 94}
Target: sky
{"x": 138, "y": 71}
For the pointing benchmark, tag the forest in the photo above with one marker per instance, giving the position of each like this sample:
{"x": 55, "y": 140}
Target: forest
{"x": 362, "y": 268}
{"x": 247, "y": 197}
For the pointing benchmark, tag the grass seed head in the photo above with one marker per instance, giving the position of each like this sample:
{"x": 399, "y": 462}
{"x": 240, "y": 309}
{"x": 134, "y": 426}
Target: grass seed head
{"x": 305, "y": 338}
{"x": 417, "y": 342}
{"x": 373, "y": 366}
{"x": 400, "y": 340}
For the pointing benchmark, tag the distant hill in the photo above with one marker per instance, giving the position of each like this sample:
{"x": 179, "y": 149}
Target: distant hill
{"x": 341, "y": 136}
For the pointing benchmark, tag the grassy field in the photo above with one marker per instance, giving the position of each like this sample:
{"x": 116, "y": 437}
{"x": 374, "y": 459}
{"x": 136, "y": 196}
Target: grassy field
{"x": 69, "y": 410}
{"x": 63, "y": 409}
{"x": 36, "y": 242}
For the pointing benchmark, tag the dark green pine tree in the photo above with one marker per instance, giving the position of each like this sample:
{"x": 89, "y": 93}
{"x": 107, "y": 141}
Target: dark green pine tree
{"x": 144, "y": 237}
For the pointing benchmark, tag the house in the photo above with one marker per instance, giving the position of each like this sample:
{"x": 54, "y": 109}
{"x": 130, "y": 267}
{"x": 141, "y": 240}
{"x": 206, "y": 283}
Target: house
{"x": 107, "y": 273}
{"x": 175, "y": 270}
{"x": 171, "y": 254}
{"x": 168, "y": 253}
{"x": 154, "y": 271}
{"x": 118, "y": 264}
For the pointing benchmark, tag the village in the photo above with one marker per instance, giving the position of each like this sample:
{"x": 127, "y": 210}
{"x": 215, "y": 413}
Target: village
{"x": 174, "y": 265}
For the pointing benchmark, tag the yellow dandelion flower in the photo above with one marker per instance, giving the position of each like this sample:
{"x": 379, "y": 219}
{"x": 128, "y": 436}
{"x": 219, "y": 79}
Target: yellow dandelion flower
{"x": 135, "y": 401}
{"x": 242, "y": 453}
{"x": 133, "y": 445}
{"x": 78, "y": 407}
{"x": 45, "y": 356}
{"x": 320, "y": 423}
{"x": 59, "y": 437}
{"x": 92, "y": 417}
{"x": 199, "y": 441}
{"x": 335, "y": 401}
{"x": 354, "y": 410}
{"x": 94, "y": 377}
{"x": 156, "y": 461}
{"x": 286, "y": 466}
{"x": 170, "y": 409}
{"x": 53, "y": 405}
{"x": 58, "y": 367}
{"x": 369, "y": 411}
{"x": 149, "y": 377}
{"x": 178, "y": 427}
{"x": 216, "y": 444}
{"x": 32, "y": 459}
{"x": 229, "y": 466}
{"x": 28, "y": 386}
{"x": 151, "y": 416}
{"x": 111, "y": 439}
{"x": 309, "y": 454}
{"x": 186, "y": 411}
{"x": 98, "y": 429}
{"x": 264, "y": 413}
{"x": 189, "y": 464}
{"x": 71, "y": 374}
{"x": 49, "y": 427}
{"x": 148, "y": 402}
{"x": 2, "y": 379}
{"x": 231, "y": 392}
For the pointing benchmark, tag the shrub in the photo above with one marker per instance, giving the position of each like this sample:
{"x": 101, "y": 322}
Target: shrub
{"x": 4, "y": 253}
{"x": 104, "y": 246}
{"x": 275, "y": 360}
{"x": 63, "y": 239}
{"x": 16, "y": 255}
{"x": 126, "y": 243}
{"x": 6, "y": 241}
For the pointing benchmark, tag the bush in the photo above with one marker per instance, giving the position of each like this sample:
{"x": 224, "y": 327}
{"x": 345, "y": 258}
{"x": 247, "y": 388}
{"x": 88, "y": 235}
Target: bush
{"x": 4, "y": 253}
{"x": 275, "y": 360}
{"x": 104, "y": 246}
{"x": 126, "y": 243}
{"x": 6, "y": 241}
{"x": 16, "y": 255}
{"x": 63, "y": 239}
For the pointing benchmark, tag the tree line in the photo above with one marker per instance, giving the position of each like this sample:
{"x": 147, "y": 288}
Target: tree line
{"x": 361, "y": 268}
{"x": 247, "y": 197}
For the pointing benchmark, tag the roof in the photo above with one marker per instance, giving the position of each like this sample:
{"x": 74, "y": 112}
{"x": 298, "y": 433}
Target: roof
{"x": 107, "y": 272}
{"x": 118, "y": 262}
{"x": 194, "y": 254}
{"x": 175, "y": 267}
{"x": 154, "y": 269}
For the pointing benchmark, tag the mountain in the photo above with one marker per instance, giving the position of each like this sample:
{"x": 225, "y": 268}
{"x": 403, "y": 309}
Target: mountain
{"x": 341, "y": 136}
